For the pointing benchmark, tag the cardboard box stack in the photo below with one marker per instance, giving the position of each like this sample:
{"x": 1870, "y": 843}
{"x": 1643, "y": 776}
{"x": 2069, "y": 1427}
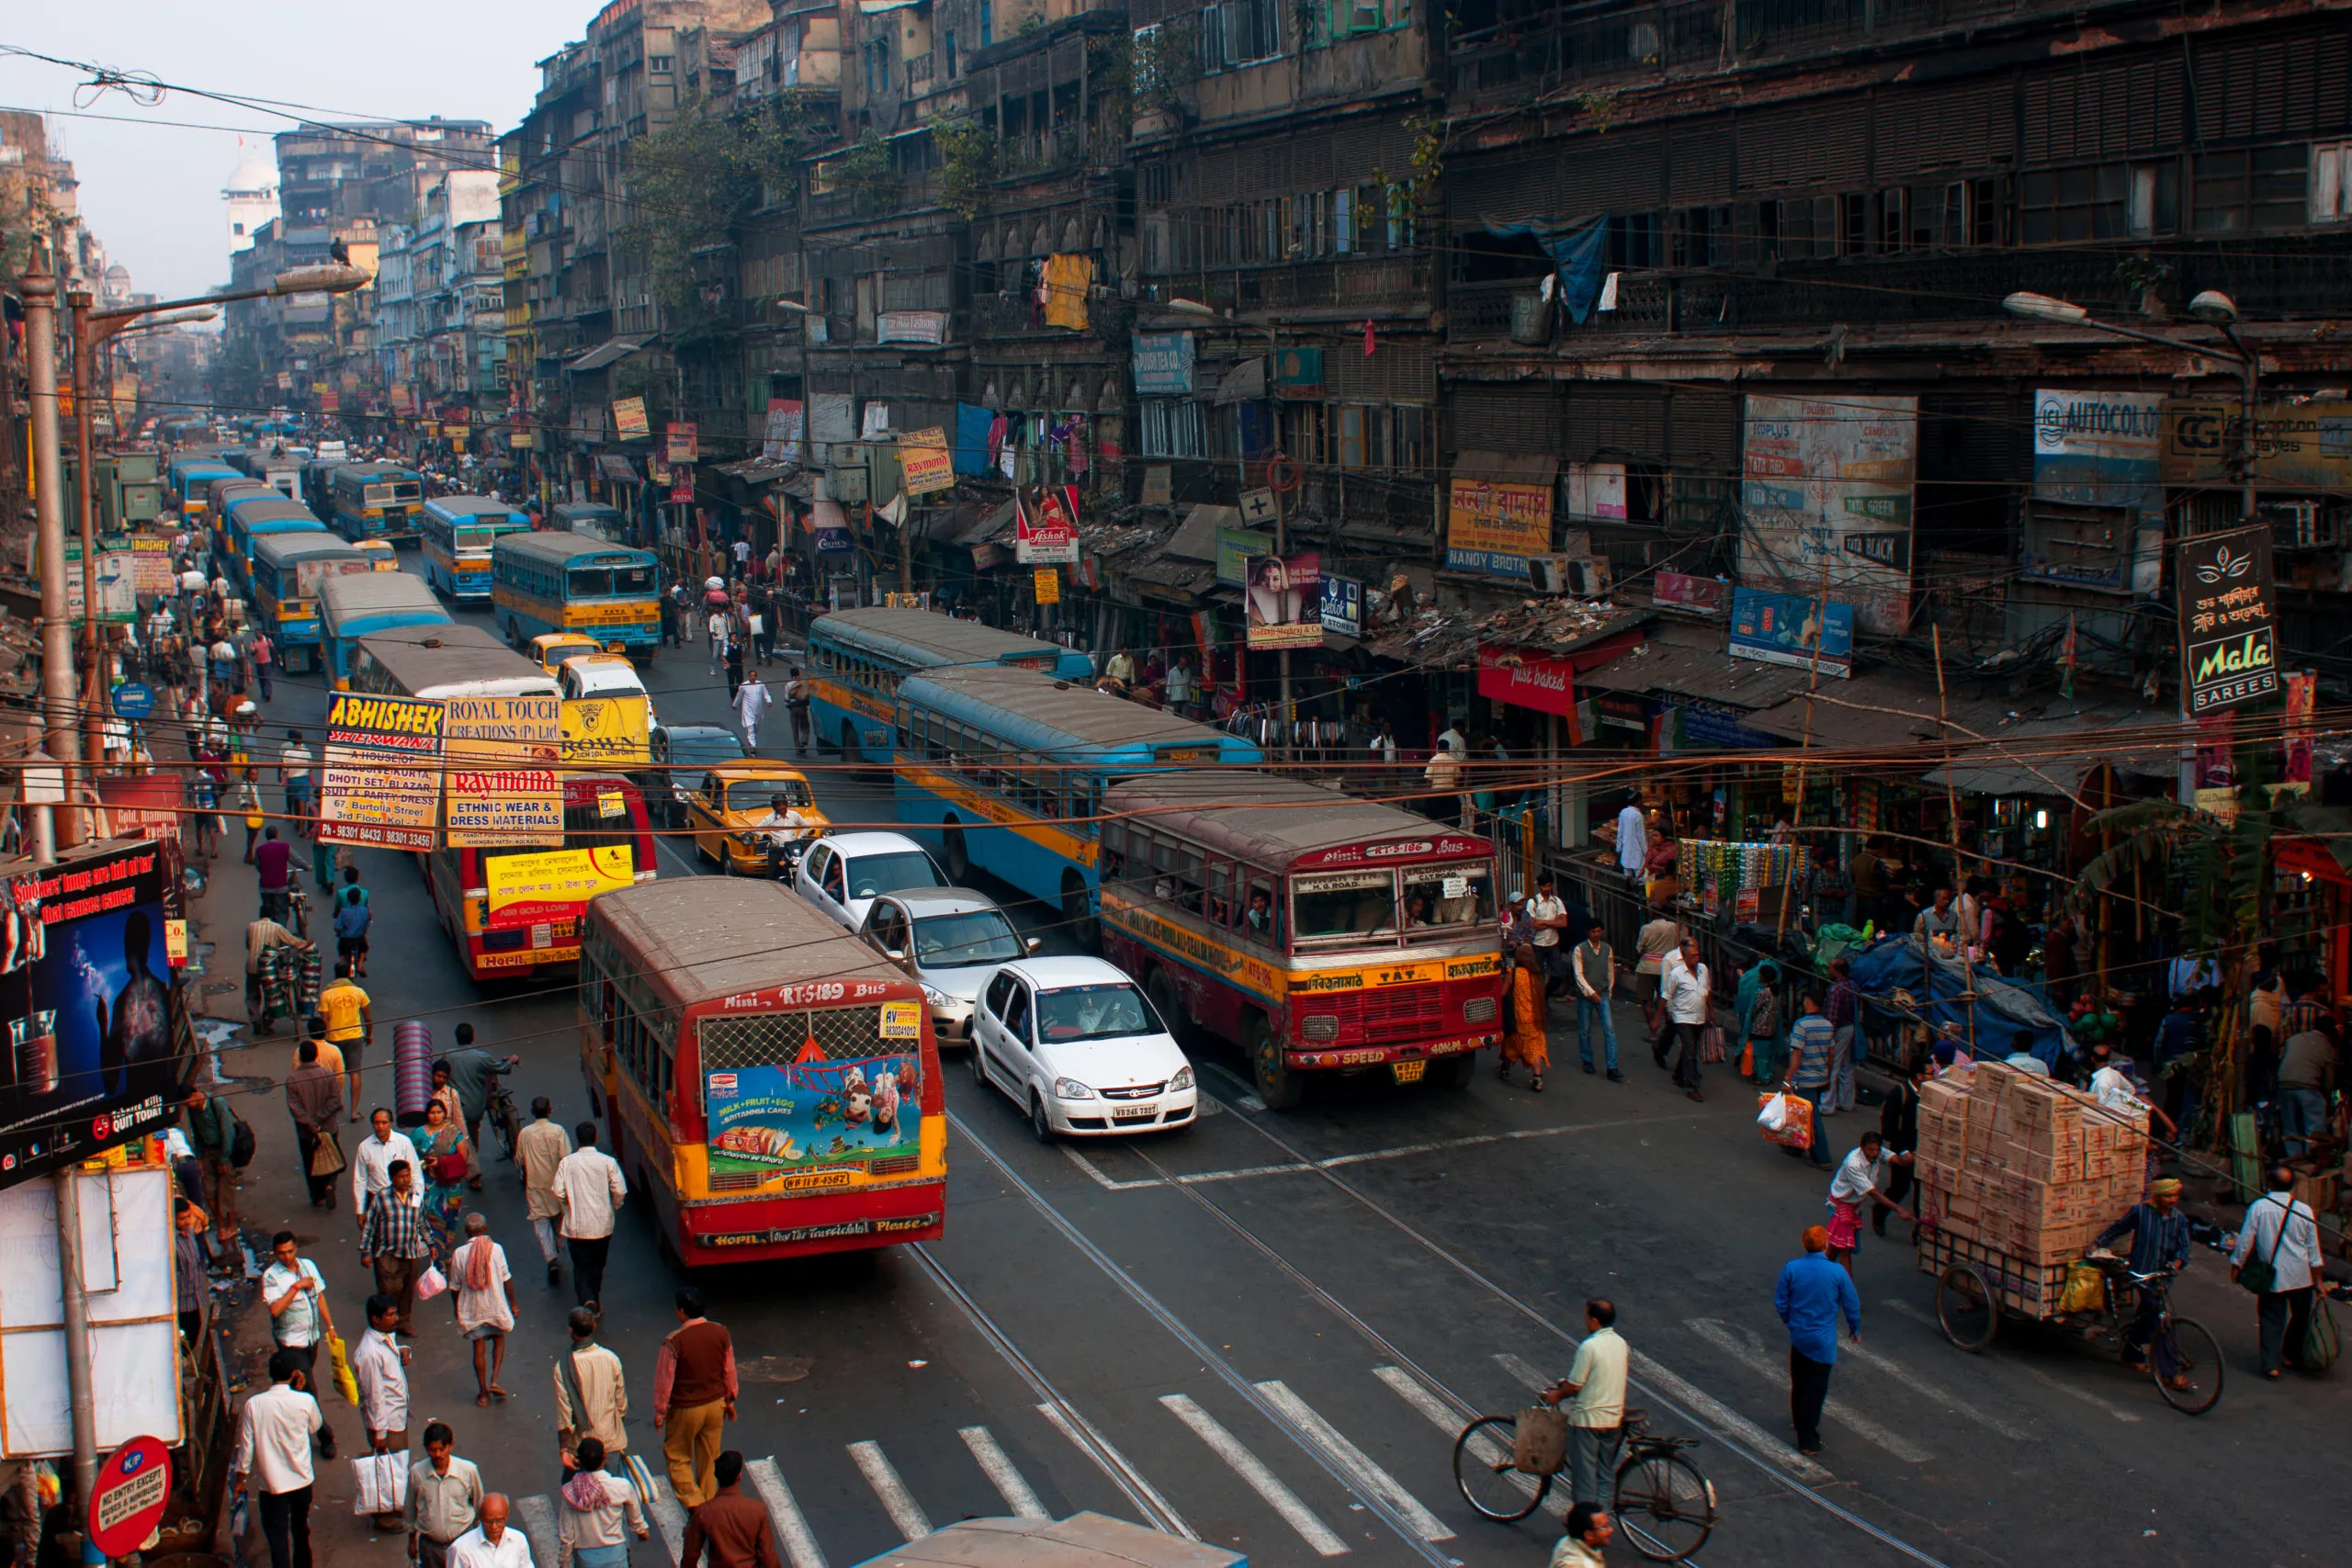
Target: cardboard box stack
{"x": 2025, "y": 1167}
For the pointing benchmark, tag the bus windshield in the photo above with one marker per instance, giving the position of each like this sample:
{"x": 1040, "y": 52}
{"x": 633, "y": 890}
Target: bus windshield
{"x": 752, "y": 794}
{"x": 609, "y": 582}
{"x": 1450, "y": 895}
{"x": 975, "y": 936}
{"x": 1343, "y": 904}
{"x": 1094, "y": 1012}
{"x": 891, "y": 873}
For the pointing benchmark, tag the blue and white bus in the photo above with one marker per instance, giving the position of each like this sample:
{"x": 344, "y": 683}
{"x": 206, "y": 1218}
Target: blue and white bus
{"x": 189, "y": 478}
{"x": 361, "y": 606}
{"x": 376, "y": 501}
{"x": 457, "y": 532}
{"x": 248, "y": 518}
{"x": 856, "y": 659}
{"x": 288, "y": 570}
{"x": 1005, "y": 769}
{"x": 555, "y": 581}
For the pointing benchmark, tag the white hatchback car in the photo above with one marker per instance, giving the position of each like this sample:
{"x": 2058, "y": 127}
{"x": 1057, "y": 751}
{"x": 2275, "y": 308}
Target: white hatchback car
{"x": 842, "y": 873}
{"x": 1075, "y": 1043}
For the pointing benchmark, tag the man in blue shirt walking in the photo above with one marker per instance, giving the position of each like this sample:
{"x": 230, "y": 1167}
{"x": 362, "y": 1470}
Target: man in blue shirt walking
{"x": 1812, "y": 1293}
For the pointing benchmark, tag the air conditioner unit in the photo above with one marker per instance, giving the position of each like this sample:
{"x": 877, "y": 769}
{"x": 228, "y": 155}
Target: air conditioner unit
{"x": 1588, "y": 575}
{"x": 1548, "y": 574}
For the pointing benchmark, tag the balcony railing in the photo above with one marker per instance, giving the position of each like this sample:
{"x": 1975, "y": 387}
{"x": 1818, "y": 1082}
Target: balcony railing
{"x": 1338, "y": 283}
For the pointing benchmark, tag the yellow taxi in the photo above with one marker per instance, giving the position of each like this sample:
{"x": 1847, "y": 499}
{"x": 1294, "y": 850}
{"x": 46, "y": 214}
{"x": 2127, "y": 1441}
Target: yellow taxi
{"x": 725, "y": 816}
{"x": 550, "y": 649}
{"x": 380, "y": 552}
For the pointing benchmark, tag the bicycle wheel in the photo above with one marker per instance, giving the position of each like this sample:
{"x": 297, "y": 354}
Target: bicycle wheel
{"x": 1490, "y": 1483}
{"x": 1966, "y": 1308}
{"x": 503, "y": 1117}
{"x": 1664, "y": 1505}
{"x": 2188, "y": 1354}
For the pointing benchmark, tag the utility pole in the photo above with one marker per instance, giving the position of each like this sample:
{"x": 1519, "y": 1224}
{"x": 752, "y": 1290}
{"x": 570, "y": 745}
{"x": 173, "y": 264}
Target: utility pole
{"x": 92, "y": 682}
{"x": 38, "y": 289}
{"x": 77, "y": 1345}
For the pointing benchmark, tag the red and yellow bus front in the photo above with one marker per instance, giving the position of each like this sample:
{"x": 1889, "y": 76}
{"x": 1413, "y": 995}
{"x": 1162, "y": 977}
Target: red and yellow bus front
{"x": 803, "y": 1118}
{"x": 514, "y": 912}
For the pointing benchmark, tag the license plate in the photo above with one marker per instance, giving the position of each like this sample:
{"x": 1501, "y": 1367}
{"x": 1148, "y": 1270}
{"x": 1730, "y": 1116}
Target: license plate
{"x": 1408, "y": 1072}
{"x": 1134, "y": 1113}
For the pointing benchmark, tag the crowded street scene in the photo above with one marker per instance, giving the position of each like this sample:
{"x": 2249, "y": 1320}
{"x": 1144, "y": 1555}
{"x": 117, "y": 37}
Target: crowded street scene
{"x": 940, "y": 782}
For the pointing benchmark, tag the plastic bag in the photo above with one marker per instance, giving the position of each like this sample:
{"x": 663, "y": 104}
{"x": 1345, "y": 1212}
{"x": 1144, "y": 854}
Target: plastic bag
{"x": 2085, "y": 1288}
{"x": 430, "y": 1283}
{"x": 379, "y": 1484}
{"x": 2322, "y": 1343}
{"x": 1775, "y": 1114}
{"x": 344, "y": 1383}
{"x": 1540, "y": 1445}
{"x": 1794, "y": 1128}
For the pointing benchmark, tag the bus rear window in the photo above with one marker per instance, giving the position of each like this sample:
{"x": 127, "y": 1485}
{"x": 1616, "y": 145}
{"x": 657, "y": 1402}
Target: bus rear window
{"x": 408, "y": 490}
{"x": 1341, "y": 903}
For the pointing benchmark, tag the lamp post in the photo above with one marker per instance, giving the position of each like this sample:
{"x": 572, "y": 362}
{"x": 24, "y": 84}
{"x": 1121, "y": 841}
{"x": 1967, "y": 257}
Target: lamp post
{"x": 1281, "y": 535}
{"x": 2215, "y": 309}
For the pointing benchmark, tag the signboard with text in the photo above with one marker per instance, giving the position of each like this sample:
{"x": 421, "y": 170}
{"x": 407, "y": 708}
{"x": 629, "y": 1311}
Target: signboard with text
{"x": 1285, "y": 600}
{"x": 1492, "y": 527}
{"x": 1163, "y": 363}
{"x": 926, "y": 462}
{"x": 1045, "y": 534}
{"x": 1788, "y": 628}
{"x": 383, "y": 780}
{"x": 502, "y": 754}
{"x": 681, "y": 445}
{"x": 1527, "y": 680}
{"x": 628, "y": 420}
{"x": 1827, "y": 489}
{"x": 2227, "y": 652}
{"x": 2104, "y": 450}
{"x": 1343, "y": 606}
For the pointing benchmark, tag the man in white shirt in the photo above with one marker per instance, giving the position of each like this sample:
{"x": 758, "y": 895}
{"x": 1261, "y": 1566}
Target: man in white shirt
{"x": 273, "y": 1433}
{"x": 540, "y": 1148}
{"x": 296, "y": 1296}
{"x": 751, "y": 701}
{"x": 1633, "y": 838}
{"x": 1548, "y": 913}
{"x": 1688, "y": 986}
{"x": 371, "y": 1164}
{"x": 1861, "y": 1180}
{"x": 2282, "y": 1233}
{"x": 379, "y": 1365}
{"x": 490, "y": 1544}
{"x": 1120, "y": 667}
{"x": 1177, "y": 691}
{"x": 1597, "y": 1379}
{"x": 589, "y": 1185}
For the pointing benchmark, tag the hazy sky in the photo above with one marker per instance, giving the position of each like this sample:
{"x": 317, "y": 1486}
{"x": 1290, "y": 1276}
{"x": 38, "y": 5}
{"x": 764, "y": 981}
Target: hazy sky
{"x": 151, "y": 192}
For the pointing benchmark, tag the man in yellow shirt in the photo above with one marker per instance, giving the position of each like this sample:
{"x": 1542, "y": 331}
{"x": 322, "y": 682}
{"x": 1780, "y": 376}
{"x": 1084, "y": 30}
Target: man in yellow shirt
{"x": 351, "y": 1025}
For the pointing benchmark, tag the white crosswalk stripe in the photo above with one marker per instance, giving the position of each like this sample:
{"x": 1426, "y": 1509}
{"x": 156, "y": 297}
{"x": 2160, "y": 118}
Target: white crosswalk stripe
{"x": 669, "y": 1518}
{"x": 999, "y": 1467}
{"x": 783, "y": 1512}
{"x": 1358, "y": 1465}
{"x": 897, "y": 1501}
{"x": 1098, "y": 1451}
{"x": 1743, "y": 1347}
{"x": 1441, "y": 1413}
{"x": 1254, "y": 1474}
{"x": 1691, "y": 1397}
{"x": 535, "y": 1517}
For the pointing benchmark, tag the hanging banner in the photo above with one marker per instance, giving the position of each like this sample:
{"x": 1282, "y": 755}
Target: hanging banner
{"x": 780, "y": 441}
{"x": 1047, "y": 581}
{"x": 1527, "y": 680}
{"x": 679, "y": 444}
{"x": 926, "y": 461}
{"x": 1828, "y": 494}
{"x": 551, "y": 885}
{"x": 86, "y": 980}
{"x": 2227, "y": 652}
{"x": 1343, "y": 606}
{"x": 628, "y": 420}
{"x": 1047, "y": 534}
{"x": 2295, "y": 765}
{"x": 382, "y": 787}
{"x": 1285, "y": 600}
{"x": 503, "y": 785}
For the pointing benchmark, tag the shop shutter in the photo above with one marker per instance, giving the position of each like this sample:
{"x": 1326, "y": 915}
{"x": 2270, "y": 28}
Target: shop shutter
{"x": 1703, "y": 430}
{"x": 2082, "y": 114}
{"x": 1974, "y": 438}
{"x": 1628, "y": 422}
{"x": 1964, "y": 126}
{"x": 1819, "y": 144}
{"x": 1524, "y": 417}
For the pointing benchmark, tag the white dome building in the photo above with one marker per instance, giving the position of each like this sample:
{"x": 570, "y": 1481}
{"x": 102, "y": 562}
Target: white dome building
{"x": 251, "y": 196}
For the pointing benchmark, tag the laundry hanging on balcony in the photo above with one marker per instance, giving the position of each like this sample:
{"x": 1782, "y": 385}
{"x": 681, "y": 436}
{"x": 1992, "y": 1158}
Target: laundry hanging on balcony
{"x": 1063, "y": 290}
{"x": 1580, "y": 252}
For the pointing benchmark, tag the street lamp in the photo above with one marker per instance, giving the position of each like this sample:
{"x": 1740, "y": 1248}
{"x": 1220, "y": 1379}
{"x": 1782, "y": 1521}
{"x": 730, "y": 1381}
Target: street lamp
{"x": 808, "y": 399}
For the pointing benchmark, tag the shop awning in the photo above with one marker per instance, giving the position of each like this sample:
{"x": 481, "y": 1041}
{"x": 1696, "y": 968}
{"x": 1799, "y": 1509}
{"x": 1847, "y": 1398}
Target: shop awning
{"x": 758, "y": 470}
{"x": 609, "y": 351}
{"x": 616, "y": 468}
{"x": 985, "y": 526}
{"x": 2053, "y": 754}
{"x": 1246, "y": 382}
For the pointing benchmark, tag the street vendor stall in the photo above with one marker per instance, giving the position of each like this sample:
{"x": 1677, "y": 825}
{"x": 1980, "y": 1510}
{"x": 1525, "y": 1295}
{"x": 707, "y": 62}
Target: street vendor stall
{"x": 1910, "y": 990}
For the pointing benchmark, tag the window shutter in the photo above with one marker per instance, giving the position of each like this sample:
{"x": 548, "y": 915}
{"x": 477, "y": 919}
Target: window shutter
{"x": 1618, "y": 420}
{"x": 1968, "y": 126}
{"x": 1519, "y": 418}
{"x": 1699, "y": 166}
{"x": 1817, "y": 144}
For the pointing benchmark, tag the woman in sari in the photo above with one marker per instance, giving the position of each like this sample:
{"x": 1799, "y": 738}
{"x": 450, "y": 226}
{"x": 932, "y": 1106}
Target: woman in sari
{"x": 1526, "y": 1041}
{"x": 441, "y": 1148}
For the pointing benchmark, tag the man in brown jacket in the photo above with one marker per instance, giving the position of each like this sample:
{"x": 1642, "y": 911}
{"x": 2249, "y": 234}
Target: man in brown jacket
{"x": 313, "y": 1096}
{"x": 693, "y": 1397}
{"x": 734, "y": 1528}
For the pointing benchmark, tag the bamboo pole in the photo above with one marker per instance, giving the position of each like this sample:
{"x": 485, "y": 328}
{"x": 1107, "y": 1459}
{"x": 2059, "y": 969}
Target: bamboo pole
{"x": 1951, "y": 826}
{"x": 1804, "y": 748}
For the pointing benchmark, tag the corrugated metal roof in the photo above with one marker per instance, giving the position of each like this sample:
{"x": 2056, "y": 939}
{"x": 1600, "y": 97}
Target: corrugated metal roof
{"x": 1270, "y": 819}
{"x": 1703, "y": 673}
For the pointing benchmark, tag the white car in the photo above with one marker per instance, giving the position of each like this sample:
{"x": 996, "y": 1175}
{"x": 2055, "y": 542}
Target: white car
{"x": 950, "y": 939}
{"x": 844, "y": 873}
{"x": 1075, "y": 1043}
{"x": 607, "y": 675}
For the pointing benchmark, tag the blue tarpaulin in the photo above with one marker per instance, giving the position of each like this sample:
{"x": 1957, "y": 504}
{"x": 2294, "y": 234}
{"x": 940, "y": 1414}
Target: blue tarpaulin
{"x": 1580, "y": 252}
{"x": 1937, "y": 992}
{"x": 972, "y": 439}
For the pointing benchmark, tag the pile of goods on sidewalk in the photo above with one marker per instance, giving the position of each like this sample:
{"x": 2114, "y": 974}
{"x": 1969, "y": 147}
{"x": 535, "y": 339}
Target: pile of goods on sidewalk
{"x": 2017, "y": 1174}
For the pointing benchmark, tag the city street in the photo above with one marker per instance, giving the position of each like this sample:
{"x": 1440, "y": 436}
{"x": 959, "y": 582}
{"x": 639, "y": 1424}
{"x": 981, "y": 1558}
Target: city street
{"x": 1266, "y": 1330}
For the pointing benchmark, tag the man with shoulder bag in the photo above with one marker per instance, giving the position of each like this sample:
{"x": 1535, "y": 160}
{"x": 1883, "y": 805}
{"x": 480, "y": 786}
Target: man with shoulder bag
{"x": 2277, "y": 1258}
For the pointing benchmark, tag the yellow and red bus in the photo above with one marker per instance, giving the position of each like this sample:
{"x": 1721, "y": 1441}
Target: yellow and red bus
{"x": 1317, "y": 932}
{"x": 514, "y": 912}
{"x": 768, "y": 1081}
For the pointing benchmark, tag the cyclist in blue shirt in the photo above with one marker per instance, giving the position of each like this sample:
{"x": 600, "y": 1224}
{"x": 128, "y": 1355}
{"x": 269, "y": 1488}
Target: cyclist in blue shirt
{"x": 352, "y": 919}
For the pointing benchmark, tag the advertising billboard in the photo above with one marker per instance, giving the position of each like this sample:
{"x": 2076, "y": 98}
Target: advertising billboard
{"x": 383, "y": 772}
{"x": 1827, "y": 490}
{"x": 1492, "y": 527}
{"x": 1784, "y": 628}
{"x": 1285, "y": 597}
{"x": 2102, "y": 449}
{"x": 502, "y": 754}
{"x": 816, "y": 1115}
{"x": 94, "y": 1035}
{"x": 2227, "y": 652}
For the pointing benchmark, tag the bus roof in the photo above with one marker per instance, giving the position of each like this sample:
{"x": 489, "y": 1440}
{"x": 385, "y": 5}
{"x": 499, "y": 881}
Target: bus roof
{"x": 455, "y": 508}
{"x": 281, "y": 549}
{"x": 558, "y": 546}
{"x": 349, "y": 597}
{"x": 365, "y": 472}
{"x": 924, "y": 638}
{"x": 266, "y": 504}
{"x": 1275, "y": 821}
{"x": 440, "y": 660}
{"x": 696, "y": 939}
{"x": 1038, "y": 713}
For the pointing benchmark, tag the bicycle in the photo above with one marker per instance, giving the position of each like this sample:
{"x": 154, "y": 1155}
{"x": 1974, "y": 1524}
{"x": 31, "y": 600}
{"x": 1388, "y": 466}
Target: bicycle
{"x": 2184, "y": 1360}
{"x": 503, "y": 1119}
{"x": 1660, "y": 1499}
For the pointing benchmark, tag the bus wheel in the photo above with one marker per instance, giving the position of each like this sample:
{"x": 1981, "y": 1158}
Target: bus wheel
{"x": 849, "y": 740}
{"x": 1281, "y": 1087}
{"x": 959, "y": 859}
{"x": 1077, "y": 913}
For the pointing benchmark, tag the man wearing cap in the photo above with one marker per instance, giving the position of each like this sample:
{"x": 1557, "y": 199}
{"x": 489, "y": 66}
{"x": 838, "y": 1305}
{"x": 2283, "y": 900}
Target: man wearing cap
{"x": 2159, "y": 1246}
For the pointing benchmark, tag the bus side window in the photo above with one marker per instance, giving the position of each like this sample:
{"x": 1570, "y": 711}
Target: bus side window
{"x": 1261, "y": 912}
{"x": 1220, "y": 910}
{"x": 1190, "y": 878}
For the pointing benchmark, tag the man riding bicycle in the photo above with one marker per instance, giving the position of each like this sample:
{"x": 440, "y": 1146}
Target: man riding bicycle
{"x": 2159, "y": 1246}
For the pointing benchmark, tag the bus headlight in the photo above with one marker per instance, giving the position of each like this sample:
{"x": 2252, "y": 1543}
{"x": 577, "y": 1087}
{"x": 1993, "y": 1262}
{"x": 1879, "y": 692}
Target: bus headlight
{"x": 1479, "y": 1009}
{"x": 1320, "y": 1026}
{"x": 1071, "y": 1088}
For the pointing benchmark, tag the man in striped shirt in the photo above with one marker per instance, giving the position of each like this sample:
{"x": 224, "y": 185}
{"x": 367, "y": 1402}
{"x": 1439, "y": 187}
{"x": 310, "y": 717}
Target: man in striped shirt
{"x": 392, "y": 1240}
{"x": 1811, "y": 1042}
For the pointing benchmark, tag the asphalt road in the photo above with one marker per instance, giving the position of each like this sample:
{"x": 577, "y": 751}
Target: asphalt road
{"x": 1265, "y": 1330}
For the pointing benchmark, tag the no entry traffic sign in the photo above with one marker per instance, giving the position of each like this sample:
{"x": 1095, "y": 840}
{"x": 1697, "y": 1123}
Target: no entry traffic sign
{"x": 128, "y": 1502}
